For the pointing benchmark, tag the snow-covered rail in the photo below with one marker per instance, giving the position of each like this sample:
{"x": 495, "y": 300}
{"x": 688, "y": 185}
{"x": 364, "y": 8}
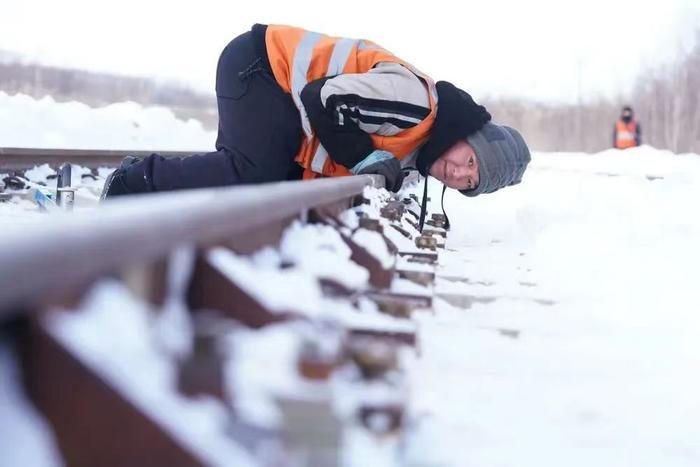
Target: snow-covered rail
{"x": 134, "y": 326}
{"x": 12, "y": 159}
{"x": 80, "y": 247}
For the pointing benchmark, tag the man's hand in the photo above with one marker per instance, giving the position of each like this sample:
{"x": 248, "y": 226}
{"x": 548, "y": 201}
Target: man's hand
{"x": 381, "y": 163}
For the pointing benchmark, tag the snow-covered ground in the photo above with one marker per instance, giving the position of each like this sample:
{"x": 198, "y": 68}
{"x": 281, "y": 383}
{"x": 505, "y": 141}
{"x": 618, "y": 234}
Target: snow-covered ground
{"x": 583, "y": 349}
{"x": 580, "y": 345}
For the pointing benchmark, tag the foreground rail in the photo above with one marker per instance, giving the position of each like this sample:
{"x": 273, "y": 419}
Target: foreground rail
{"x": 62, "y": 290}
{"x": 85, "y": 245}
{"x": 13, "y": 159}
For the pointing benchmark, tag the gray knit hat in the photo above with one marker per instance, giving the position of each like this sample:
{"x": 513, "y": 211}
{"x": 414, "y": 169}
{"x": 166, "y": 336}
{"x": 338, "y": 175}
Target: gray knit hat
{"x": 503, "y": 157}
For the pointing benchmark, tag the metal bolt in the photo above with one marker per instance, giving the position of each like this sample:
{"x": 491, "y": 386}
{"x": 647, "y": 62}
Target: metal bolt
{"x": 426, "y": 242}
{"x": 382, "y": 419}
{"x": 373, "y": 356}
{"x": 440, "y": 233}
{"x": 419, "y": 277}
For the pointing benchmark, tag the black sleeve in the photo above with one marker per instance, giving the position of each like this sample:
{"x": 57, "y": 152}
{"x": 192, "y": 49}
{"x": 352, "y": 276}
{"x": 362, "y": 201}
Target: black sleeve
{"x": 346, "y": 144}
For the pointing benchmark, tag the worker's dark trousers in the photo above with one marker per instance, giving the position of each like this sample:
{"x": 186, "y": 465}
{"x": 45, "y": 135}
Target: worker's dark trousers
{"x": 259, "y": 132}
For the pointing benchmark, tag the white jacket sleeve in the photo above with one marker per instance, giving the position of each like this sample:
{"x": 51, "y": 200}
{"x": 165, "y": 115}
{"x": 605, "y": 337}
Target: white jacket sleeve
{"x": 386, "y": 100}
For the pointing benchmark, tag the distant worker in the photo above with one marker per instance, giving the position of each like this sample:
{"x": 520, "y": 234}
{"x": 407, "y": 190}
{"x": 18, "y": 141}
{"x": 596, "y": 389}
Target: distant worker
{"x": 627, "y": 133}
{"x": 295, "y": 104}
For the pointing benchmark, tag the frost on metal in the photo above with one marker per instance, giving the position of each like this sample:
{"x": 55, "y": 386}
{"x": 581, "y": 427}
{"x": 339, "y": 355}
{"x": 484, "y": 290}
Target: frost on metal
{"x": 374, "y": 243}
{"x": 320, "y": 251}
{"x": 276, "y": 289}
{"x": 375, "y": 198}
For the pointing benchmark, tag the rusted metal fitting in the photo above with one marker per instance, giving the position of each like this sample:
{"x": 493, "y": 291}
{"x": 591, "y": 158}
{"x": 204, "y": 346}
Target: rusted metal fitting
{"x": 399, "y": 305}
{"x": 321, "y": 351}
{"x": 313, "y": 363}
{"x": 333, "y": 288}
{"x": 421, "y": 260}
{"x": 397, "y": 308}
{"x": 419, "y": 257}
{"x": 402, "y": 231}
{"x": 378, "y": 276}
{"x": 395, "y": 337}
{"x": 382, "y": 419}
{"x": 435, "y": 223}
{"x": 373, "y": 356}
{"x": 428, "y": 242}
{"x": 440, "y": 233}
{"x": 425, "y": 278}
{"x": 392, "y": 211}
{"x": 371, "y": 224}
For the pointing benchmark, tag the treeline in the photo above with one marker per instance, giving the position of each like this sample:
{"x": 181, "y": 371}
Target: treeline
{"x": 666, "y": 102}
{"x": 557, "y": 127}
{"x": 669, "y": 104}
{"x": 99, "y": 89}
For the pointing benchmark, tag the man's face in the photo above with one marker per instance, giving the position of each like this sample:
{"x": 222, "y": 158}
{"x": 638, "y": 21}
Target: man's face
{"x": 458, "y": 167}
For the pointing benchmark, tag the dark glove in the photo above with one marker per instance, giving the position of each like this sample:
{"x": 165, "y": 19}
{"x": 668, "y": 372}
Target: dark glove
{"x": 115, "y": 184}
{"x": 382, "y": 163}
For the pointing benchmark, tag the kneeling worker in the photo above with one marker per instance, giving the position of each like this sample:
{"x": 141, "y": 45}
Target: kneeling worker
{"x": 298, "y": 104}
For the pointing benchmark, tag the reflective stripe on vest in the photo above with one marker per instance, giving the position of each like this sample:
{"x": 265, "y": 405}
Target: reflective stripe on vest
{"x": 319, "y": 159}
{"x": 339, "y": 57}
{"x": 300, "y": 69}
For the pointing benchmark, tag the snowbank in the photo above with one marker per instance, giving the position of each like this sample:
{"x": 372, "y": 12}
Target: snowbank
{"x": 580, "y": 347}
{"x": 44, "y": 123}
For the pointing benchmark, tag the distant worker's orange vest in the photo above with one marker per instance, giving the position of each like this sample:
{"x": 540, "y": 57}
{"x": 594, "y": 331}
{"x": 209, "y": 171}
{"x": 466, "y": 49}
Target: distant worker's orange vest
{"x": 298, "y": 57}
{"x": 626, "y": 134}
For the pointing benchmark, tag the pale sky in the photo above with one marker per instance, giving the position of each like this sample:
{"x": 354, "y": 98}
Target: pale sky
{"x": 530, "y": 48}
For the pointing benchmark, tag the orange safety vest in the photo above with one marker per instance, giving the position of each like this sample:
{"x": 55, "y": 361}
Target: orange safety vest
{"x": 626, "y": 133}
{"x": 298, "y": 57}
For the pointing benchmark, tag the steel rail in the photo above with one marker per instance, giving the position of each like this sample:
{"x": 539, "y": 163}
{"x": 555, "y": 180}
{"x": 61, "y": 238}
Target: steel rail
{"x": 75, "y": 248}
{"x": 26, "y": 158}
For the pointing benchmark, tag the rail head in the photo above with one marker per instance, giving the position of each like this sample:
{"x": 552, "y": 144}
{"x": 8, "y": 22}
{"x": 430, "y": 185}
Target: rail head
{"x": 76, "y": 248}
